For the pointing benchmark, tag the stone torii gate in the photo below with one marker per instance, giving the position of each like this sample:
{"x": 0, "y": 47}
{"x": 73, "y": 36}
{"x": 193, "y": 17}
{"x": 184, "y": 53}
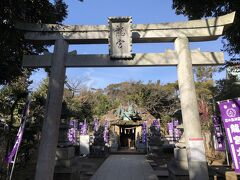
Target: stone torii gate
{"x": 120, "y": 33}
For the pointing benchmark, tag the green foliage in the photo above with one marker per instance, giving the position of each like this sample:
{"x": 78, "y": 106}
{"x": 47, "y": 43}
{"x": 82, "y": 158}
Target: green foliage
{"x": 77, "y": 106}
{"x": 12, "y": 97}
{"x": 165, "y": 118}
{"x": 226, "y": 89}
{"x": 206, "y": 8}
{"x": 99, "y": 140}
{"x": 12, "y": 101}
{"x": 101, "y": 105}
{"x": 204, "y": 85}
{"x": 12, "y": 44}
{"x": 156, "y": 98}
{"x": 204, "y": 90}
{"x": 38, "y": 103}
{"x": 208, "y": 93}
{"x": 204, "y": 73}
{"x": 81, "y": 110}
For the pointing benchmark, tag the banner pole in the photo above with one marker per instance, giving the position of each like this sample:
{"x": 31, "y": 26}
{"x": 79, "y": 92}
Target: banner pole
{"x": 226, "y": 151}
{"x": 226, "y": 145}
{"x": 20, "y": 135}
{"x": 15, "y": 157}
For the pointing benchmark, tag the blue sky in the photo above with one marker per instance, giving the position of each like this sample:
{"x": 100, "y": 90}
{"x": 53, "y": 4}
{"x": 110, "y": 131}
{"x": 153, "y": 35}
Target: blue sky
{"x": 142, "y": 12}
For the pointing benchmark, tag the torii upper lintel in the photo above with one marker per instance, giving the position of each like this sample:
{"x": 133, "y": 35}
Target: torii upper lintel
{"x": 195, "y": 30}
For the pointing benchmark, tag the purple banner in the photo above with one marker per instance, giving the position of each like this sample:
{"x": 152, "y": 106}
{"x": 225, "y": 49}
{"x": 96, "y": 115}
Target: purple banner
{"x": 176, "y": 132}
{"x": 72, "y": 131}
{"x": 73, "y": 123}
{"x": 18, "y": 140}
{"x": 156, "y": 124}
{"x": 96, "y": 125}
{"x": 83, "y": 128}
{"x": 231, "y": 118}
{"x": 219, "y": 143}
{"x": 17, "y": 143}
{"x": 72, "y": 137}
{"x": 144, "y": 131}
{"x": 106, "y": 131}
{"x": 172, "y": 129}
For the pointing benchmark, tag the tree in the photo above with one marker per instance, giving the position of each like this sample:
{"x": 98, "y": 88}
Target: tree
{"x": 12, "y": 99}
{"x": 204, "y": 73}
{"x": 208, "y": 8}
{"x": 12, "y": 44}
{"x": 101, "y": 104}
{"x": 38, "y": 103}
{"x": 159, "y": 100}
{"x": 226, "y": 89}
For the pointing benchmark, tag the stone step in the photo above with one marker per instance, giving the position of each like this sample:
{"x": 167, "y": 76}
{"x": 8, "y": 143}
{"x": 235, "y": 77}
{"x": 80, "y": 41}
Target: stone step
{"x": 65, "y": 153}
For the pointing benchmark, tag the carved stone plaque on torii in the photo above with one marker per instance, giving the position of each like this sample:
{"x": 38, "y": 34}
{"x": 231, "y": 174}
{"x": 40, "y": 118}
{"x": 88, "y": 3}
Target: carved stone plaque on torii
{"x": 120, "y": 33}
{"x": 120, "y": 38}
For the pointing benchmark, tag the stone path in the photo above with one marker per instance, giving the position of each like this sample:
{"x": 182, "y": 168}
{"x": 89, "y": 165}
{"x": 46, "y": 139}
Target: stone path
{"x": 125, "y": 167}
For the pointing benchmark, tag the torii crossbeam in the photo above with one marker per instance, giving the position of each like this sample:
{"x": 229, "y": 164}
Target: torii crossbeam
{"x": 169, "y": 58}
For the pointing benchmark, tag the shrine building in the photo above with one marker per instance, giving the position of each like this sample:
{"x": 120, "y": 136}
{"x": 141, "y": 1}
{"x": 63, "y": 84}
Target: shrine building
{"x": 126, "y": 123}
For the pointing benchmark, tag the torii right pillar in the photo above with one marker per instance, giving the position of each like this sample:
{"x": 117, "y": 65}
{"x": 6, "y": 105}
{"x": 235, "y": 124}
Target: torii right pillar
{"x": 197, "y": 163}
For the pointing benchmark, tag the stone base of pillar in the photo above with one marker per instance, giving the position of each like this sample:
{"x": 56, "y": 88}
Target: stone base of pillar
{"x": 197, "y": 168}
{"x": 180, "y": 154}
{"x": 178, "y": 167}
{"x": 64, "y": 168}
{"x": 65, "y": 153}
{"x": 176, "y": 173}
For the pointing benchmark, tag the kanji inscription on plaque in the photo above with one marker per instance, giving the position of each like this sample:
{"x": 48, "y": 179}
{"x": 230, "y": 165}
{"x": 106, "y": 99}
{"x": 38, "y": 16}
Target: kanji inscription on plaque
{"x": 120, "y": 38}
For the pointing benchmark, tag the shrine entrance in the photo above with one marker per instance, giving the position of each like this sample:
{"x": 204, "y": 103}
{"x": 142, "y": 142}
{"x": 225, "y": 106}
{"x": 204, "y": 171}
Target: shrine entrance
{"x": 127, "y": 137}
{"x": 120, "y": 33}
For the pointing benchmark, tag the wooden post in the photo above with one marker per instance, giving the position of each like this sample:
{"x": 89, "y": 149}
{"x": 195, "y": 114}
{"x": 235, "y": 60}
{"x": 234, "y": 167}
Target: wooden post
{"x": 50, "y": 130}
{"x": 195, "y": 146}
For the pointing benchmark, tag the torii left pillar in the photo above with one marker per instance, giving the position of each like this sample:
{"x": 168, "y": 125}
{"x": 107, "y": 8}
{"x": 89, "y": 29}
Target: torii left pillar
{"x": 50, "y": 130}
{"x": 197, "y": 164}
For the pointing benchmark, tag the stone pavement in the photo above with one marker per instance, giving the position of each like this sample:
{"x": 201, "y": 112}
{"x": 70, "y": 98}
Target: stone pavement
{"x": 125, "y": 167}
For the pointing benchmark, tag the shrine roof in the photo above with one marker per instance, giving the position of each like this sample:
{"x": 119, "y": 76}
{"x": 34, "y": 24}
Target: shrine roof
{"x": 115, "y": 120}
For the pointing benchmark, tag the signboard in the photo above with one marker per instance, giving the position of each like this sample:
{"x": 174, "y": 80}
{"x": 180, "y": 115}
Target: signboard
{"x": 230, "y": 112}
{"x": 120, "y": 37}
